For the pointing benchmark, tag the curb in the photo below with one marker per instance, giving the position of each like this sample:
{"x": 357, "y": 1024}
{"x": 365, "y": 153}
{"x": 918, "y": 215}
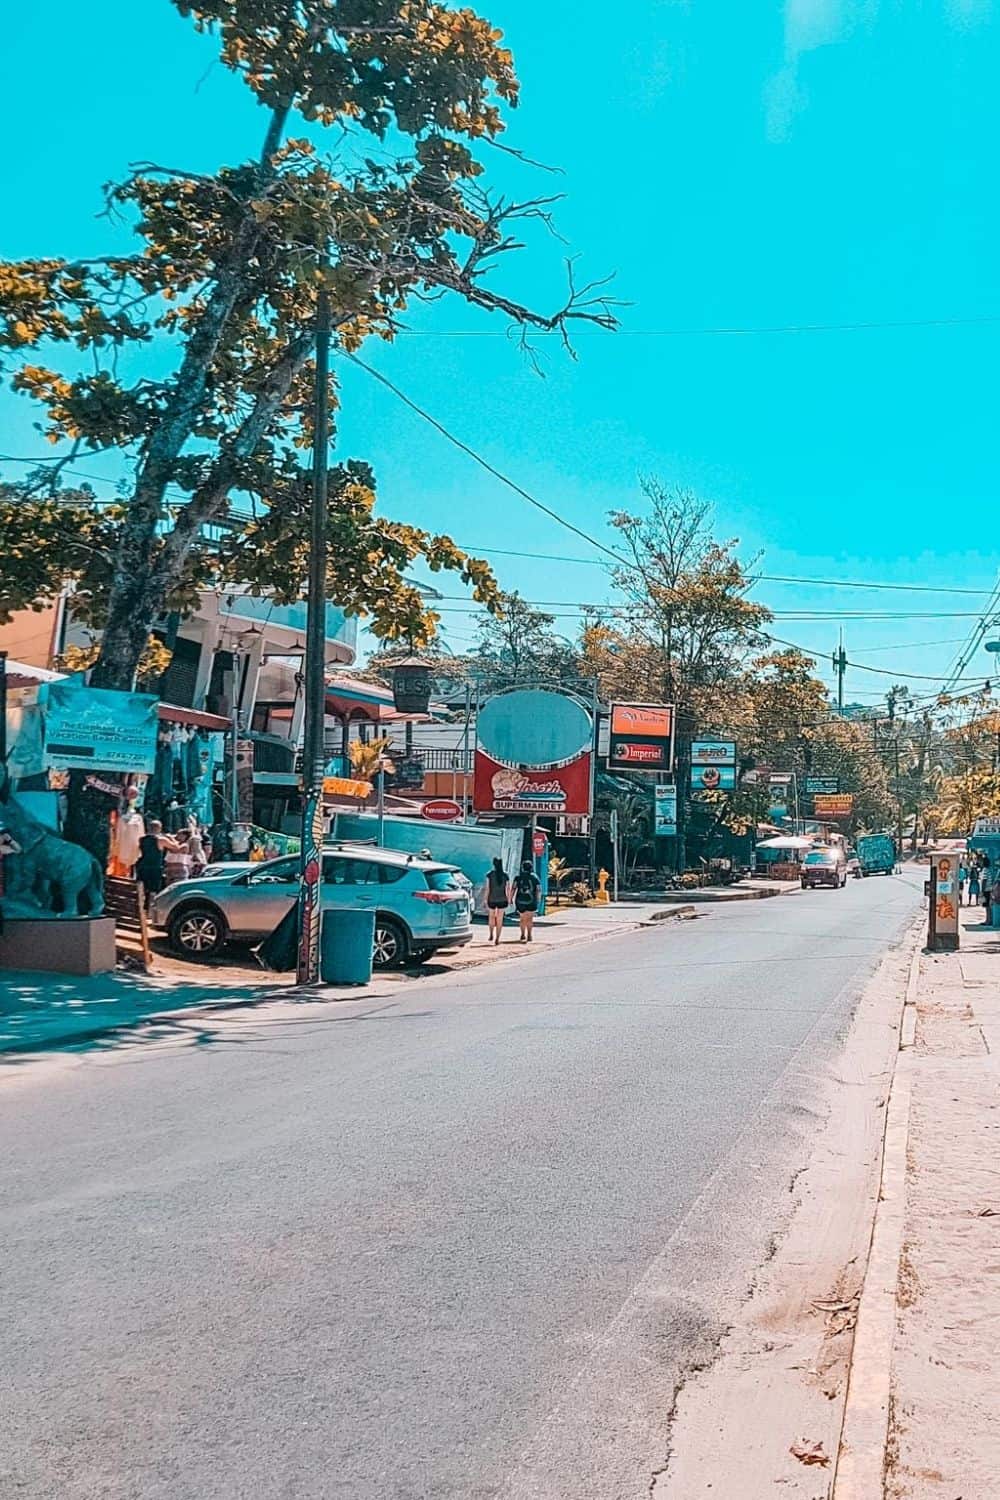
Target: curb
{"x": 860, "y": 1469}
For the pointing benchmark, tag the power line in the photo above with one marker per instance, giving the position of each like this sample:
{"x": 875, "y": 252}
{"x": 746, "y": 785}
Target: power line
{"x": 862, "y": 667}
{"x": 722, "y": 331}
{"x": 482, "y": 462}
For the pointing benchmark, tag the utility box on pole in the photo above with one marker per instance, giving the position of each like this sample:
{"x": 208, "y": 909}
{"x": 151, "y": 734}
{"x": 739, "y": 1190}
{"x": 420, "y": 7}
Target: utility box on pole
{"x": 942, "y": 910}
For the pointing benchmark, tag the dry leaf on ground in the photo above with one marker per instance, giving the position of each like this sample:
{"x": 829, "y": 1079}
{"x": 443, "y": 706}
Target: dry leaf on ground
{"x": 810, "y": 1453}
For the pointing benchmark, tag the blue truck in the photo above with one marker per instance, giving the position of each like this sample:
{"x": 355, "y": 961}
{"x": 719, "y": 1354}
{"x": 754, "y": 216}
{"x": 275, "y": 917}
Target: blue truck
{"x": 877, "y": 853}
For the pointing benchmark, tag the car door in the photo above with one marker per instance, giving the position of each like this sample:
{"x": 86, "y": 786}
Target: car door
{"x": 265, "y": 896}
{"x": 349, "y": 880}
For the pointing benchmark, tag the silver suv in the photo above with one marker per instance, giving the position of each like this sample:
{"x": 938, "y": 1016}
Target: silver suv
{"x": 420, "y": 906}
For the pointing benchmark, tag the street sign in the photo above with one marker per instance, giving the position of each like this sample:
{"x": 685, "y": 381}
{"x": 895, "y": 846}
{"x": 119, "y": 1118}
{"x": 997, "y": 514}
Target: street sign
{"x": 539, "y": 843}
{"x": 713, "y": 778}
{"x": 781, "y": 778}
{"x": 441, "y": 810}
{"x": 665, "y": 811}
{"x": 642, "y": 737}
{"x": 840, "y": 806}
{"x": 713, "y": 753}
{"x": 826, "y": 786}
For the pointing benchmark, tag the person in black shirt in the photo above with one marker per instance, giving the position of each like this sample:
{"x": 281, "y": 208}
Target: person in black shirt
{"x": 497, "y": 898}
{"x": 526, "y": 891}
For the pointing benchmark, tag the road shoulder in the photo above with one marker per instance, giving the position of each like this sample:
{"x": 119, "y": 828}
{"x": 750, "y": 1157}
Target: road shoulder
{"x": 767, "y": 1412}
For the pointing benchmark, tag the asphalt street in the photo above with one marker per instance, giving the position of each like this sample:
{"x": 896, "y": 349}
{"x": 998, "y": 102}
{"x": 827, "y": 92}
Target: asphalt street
{"x": 462, "y": 1244}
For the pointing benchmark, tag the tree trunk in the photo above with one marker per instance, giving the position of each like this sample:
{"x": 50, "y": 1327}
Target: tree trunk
{"x": 88, "y": 815}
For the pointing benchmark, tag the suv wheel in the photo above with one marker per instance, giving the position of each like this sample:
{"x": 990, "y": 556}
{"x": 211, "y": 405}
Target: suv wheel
{"x": 197, "y": 932}
{"x": 391, "y": 946}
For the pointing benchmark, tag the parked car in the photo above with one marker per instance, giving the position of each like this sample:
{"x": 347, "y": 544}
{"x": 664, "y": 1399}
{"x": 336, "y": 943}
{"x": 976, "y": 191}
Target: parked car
{"x": 853, "y": 864}
{"x": 420, "y": 906}
{"x": 824, "y": 867}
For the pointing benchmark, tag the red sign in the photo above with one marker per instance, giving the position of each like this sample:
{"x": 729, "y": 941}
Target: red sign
{"x": 539, "y": 844}
{"x": 441, "y": 810}
{"x": 497, "y": 788}
{"x": 629, "y": 754}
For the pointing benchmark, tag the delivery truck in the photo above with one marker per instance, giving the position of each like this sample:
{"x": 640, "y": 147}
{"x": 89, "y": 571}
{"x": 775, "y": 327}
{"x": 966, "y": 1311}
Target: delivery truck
{"x": 877, "y": 853}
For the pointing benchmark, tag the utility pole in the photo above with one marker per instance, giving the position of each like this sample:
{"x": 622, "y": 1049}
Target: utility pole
{"x": 313, "y": 759}
{"x": 840, "y": 667}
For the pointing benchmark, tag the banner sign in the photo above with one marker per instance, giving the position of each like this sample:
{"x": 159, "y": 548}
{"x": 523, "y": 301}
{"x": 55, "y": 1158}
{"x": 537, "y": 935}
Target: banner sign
{"x": 713, "y": 753}
{"x": 825, "y": 786}
{"x": 97, "y": 729}
{"x": 780, "y": 778}
{"x": 642, "y": 737}
{"x": 840, "y": 806}
{"x": 565, "y": 789}
{"x": 346, "y": 786}
{"x": 665, "y": 811}
{"x": 713, "y": 778}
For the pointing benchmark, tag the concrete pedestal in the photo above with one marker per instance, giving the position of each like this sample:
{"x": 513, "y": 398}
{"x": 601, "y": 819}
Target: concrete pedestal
{"x": 61, "y": 945}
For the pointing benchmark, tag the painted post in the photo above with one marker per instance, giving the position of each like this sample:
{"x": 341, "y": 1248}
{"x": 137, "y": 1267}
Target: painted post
{"x": 942, "y": 924}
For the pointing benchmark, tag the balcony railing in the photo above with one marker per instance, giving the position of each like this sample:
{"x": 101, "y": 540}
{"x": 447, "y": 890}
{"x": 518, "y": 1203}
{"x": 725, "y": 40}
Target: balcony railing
{"x": 433, "y": 758}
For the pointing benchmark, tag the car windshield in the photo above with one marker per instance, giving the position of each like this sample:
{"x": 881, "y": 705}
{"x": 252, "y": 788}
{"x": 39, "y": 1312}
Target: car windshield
{"x": 442, "y": 880}
{"x": 819, "y": 859}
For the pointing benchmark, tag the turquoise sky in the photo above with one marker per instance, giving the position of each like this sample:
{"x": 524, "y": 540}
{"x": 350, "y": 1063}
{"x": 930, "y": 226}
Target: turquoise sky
{"x": 745, "y": 166}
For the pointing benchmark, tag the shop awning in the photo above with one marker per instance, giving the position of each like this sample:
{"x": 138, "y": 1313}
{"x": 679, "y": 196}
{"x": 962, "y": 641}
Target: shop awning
{"x": 193, "y": 718}
{"x": 21, "y": 675}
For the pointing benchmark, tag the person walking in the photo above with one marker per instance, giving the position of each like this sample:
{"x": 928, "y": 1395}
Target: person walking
{"x": 497, "y": 898}
{"x": 526, "y": 891}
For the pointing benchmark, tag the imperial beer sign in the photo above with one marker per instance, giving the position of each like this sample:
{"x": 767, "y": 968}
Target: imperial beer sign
{"x": 642, "y": 737}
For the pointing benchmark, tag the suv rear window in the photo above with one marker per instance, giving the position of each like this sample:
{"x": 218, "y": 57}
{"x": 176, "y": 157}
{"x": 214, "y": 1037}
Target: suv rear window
{"x": 442, "y": 880}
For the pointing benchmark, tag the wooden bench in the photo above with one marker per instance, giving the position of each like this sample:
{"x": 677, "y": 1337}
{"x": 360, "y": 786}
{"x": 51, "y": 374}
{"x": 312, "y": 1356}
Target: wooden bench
{"x": 125, "y": 900}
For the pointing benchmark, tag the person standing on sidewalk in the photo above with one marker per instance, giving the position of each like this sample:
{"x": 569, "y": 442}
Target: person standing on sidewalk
{"x": 963, "y": 875}
{"x": 974, "y": 886}
{"x": 986, "y": 884}
{"x": 497, "y": 898}
{"x": 526, "y": 891}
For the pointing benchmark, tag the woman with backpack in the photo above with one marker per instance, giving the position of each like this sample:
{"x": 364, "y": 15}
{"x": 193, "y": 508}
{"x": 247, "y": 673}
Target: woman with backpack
{"x": 526, "y": 890}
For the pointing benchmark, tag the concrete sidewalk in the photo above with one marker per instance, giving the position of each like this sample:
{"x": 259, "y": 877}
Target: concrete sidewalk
{"x": 43, "y": 1011}
{"x": 944, "y": 1430}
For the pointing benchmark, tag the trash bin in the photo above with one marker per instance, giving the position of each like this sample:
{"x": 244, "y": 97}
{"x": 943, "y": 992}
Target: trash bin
{"x": 346, "y": 939}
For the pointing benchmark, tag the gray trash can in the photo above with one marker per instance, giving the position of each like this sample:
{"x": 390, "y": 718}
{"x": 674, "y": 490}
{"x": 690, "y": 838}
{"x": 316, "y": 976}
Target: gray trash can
{"x": 346, "y": 940}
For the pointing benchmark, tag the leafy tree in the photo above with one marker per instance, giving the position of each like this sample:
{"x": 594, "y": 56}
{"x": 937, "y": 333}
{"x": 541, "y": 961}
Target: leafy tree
{"x": 518, "y": 645}
{"x": 964, "y": 798}
{"x": 226, "y": 278}
{"x": 686, "y": 630}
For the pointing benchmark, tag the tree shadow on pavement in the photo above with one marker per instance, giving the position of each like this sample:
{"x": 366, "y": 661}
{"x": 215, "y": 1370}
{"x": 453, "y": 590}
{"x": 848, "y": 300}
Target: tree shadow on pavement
{"x": 51, "y": 1012}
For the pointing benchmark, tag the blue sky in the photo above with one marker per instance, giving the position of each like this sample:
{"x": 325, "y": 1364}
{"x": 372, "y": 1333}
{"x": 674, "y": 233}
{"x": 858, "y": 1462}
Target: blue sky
{"x": 774, "y": 165}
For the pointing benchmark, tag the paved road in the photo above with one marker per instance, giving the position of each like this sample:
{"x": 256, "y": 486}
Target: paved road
{"x": 457, "y": 1246}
